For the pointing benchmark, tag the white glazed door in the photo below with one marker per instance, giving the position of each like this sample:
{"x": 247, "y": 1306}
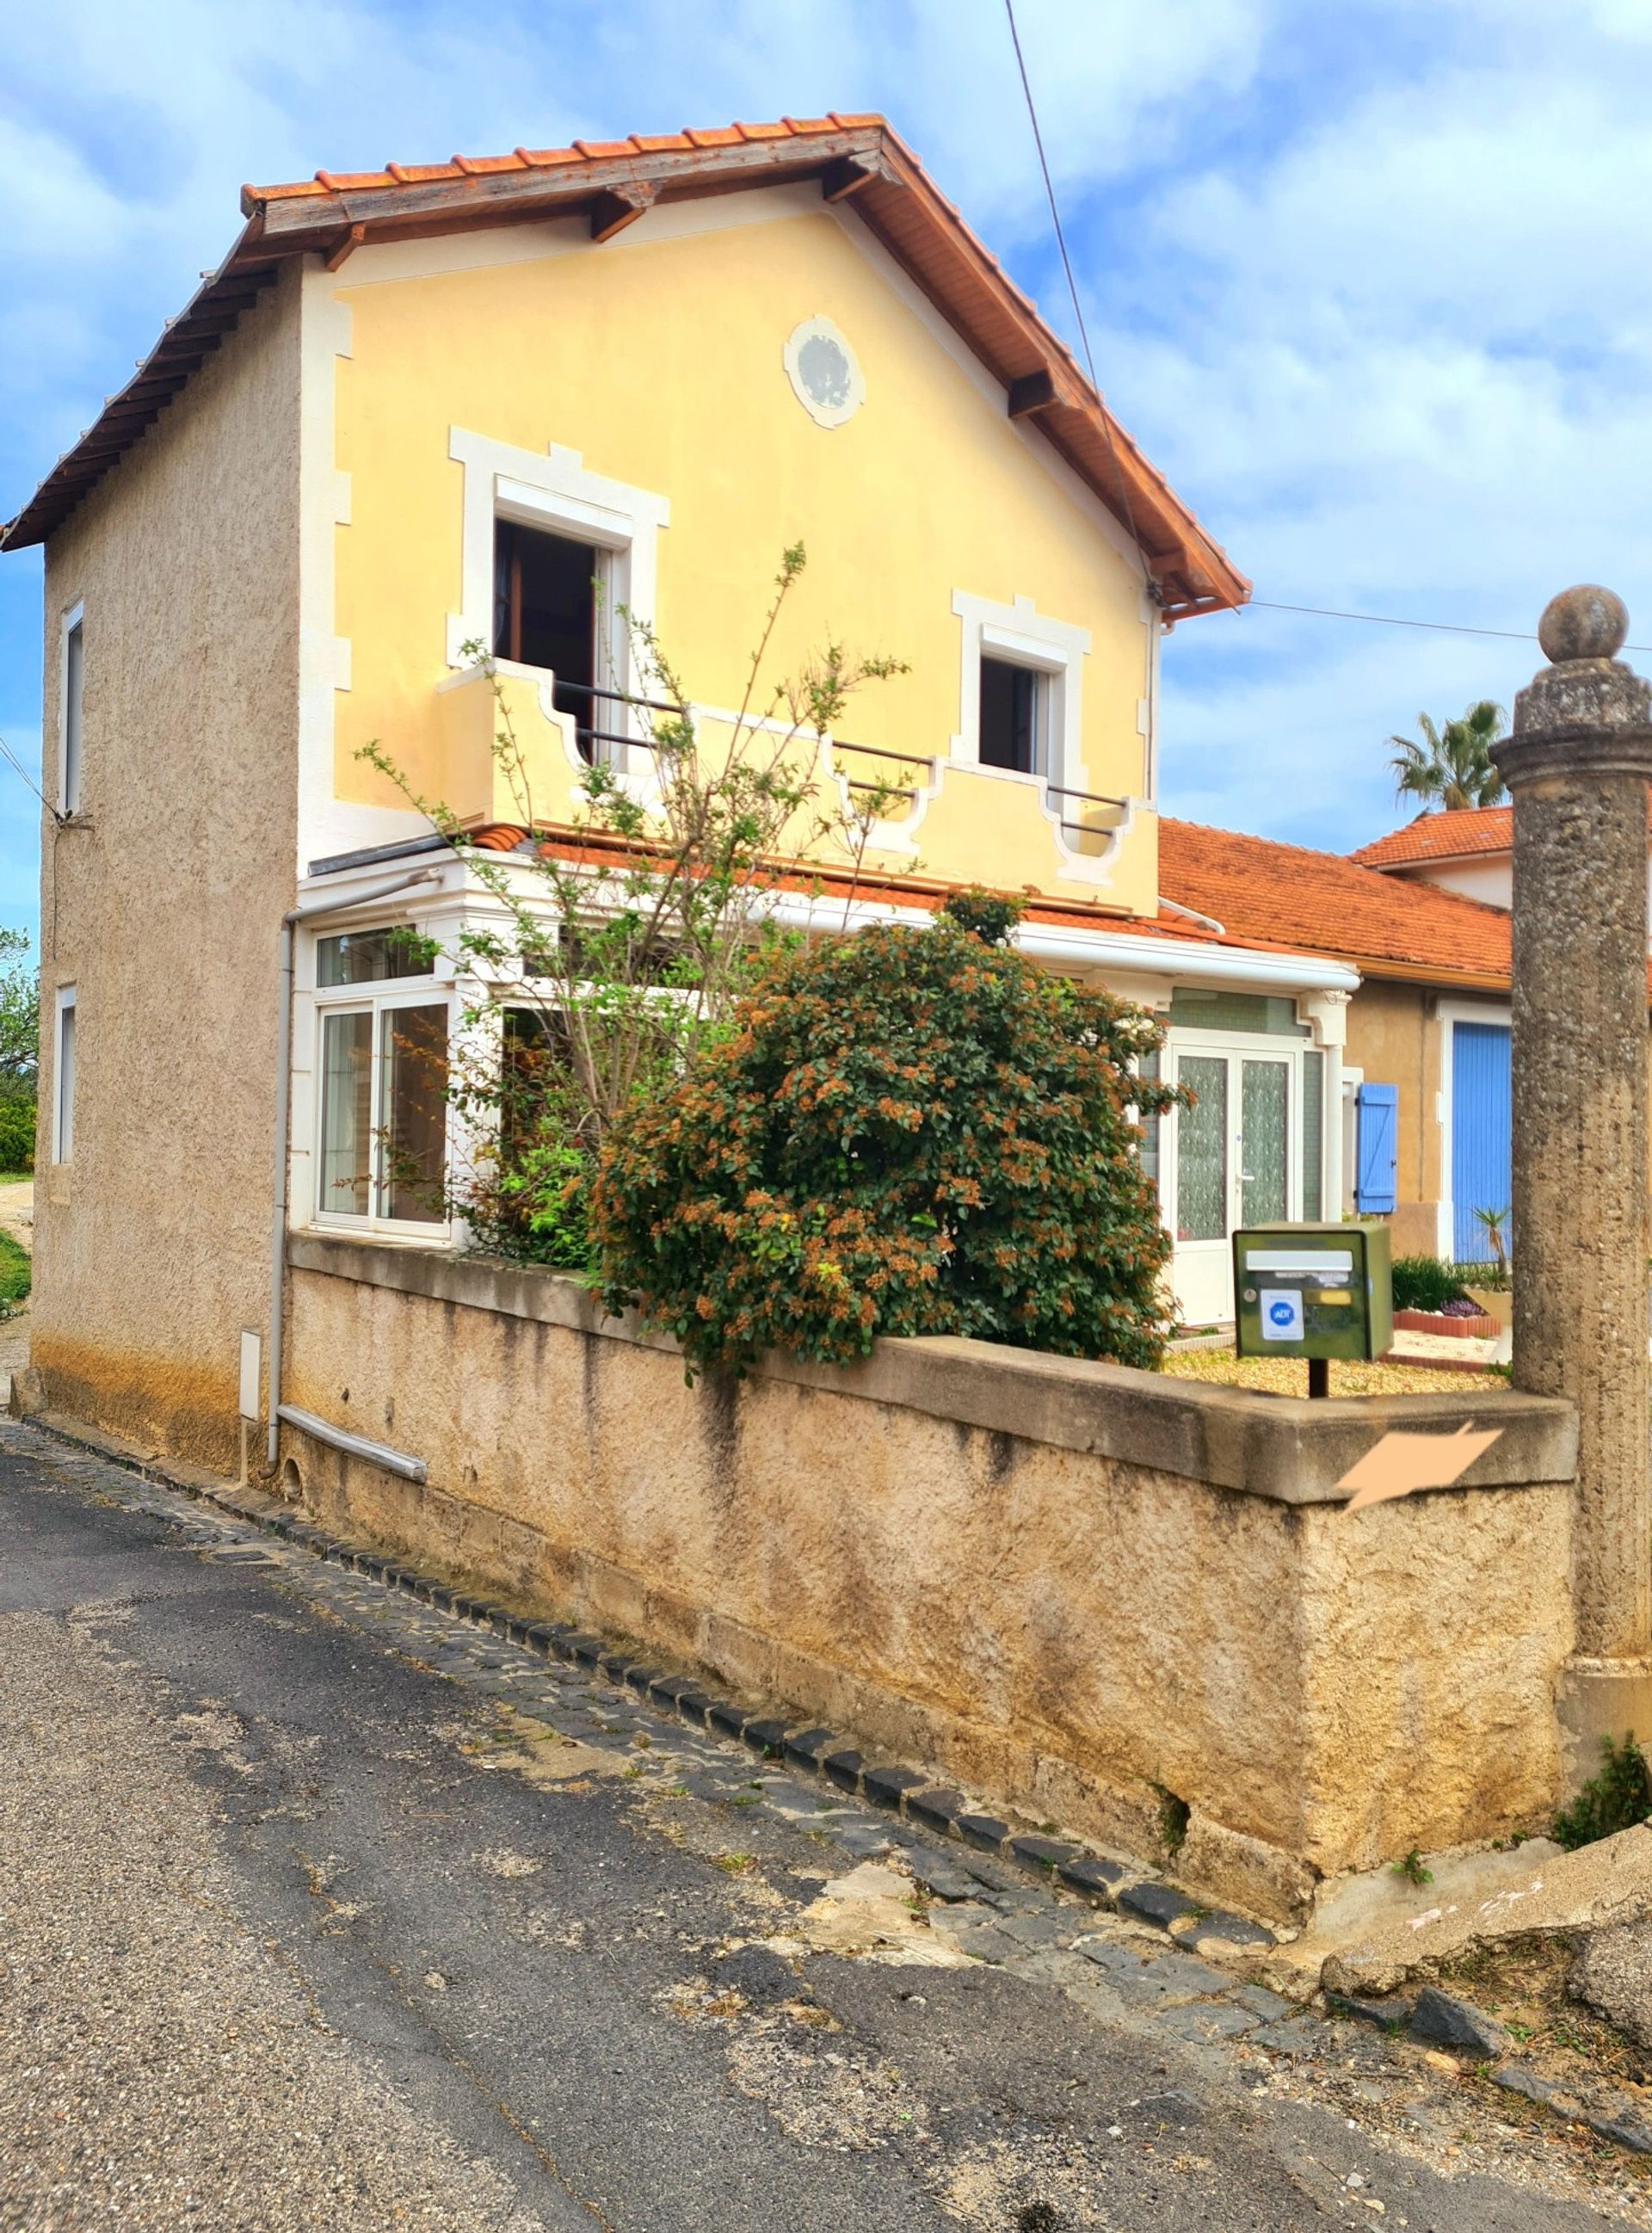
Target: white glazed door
{"x": 1235, "y": 1164}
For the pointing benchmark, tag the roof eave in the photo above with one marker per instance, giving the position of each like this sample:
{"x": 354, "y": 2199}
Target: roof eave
{"x": 863, "y": 163}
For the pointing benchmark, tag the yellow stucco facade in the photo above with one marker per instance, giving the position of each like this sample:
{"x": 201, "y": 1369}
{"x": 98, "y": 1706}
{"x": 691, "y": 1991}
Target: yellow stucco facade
{"x": 656, "y": 360}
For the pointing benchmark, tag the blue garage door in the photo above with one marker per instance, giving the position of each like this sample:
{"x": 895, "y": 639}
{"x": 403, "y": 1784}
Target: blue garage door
{"x": 1479, "y": 1133}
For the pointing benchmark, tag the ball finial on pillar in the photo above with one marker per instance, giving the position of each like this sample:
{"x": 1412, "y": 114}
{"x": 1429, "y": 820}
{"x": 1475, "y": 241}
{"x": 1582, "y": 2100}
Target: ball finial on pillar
{"x": 1587, "y": 623}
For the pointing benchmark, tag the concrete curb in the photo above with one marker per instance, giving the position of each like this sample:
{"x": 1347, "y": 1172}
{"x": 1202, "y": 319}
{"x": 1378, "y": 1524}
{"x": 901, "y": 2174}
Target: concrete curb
{"x": 1108, "y": 1883}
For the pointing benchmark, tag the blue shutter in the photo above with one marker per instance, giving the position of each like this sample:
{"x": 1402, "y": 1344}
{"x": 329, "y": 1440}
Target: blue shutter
{"x": 1377, "y": 1154}
{"x": 1480, "y": 1131}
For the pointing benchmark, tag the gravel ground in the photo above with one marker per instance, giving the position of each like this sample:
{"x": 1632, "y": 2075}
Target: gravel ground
{"x": 160, "y": 2066}
{"x": 1288, "y": 1376}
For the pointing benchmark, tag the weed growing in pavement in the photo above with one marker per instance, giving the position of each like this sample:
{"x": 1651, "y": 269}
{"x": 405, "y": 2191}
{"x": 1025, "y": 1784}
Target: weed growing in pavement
{"x": 1412, "y": 1869}
{"x": 1616, "y": 1799}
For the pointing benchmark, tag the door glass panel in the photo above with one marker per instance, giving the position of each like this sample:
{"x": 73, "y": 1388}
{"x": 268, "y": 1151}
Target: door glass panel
{"x": 1265, "y": 1137}
{"x": 347, "y": 1089}
{"x": 415, "y": 1051}
{"x": 1201, "y": 1167}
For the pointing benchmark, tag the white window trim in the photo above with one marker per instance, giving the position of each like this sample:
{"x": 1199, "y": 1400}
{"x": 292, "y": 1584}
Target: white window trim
{"x": 1022, "y": 636}
{"x": 73, "y": 619}
{"x": 373, "y": 999}
{"x": 62, "y": 1105}
{"x": 553, "y": 491}
{"x": 1449, "y": 1014}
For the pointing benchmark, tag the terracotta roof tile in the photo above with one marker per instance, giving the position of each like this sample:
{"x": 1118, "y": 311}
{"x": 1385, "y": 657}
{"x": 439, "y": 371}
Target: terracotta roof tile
{"x": 1454, "y": 834}
{"x": 1270, "y": 894}
{"x": 1451, "y": 835}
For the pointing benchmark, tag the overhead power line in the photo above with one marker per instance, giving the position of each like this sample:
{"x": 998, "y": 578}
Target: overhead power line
{"x": 1393, "y": 619}
{"x": 1265, "y": 604}
{"x": 1067, "y": 265}
{"x": 30, "y": 780}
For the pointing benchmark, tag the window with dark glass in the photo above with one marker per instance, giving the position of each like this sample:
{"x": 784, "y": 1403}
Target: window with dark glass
{"x": 545, "y": 614}
{"x": 1010, "y": 703}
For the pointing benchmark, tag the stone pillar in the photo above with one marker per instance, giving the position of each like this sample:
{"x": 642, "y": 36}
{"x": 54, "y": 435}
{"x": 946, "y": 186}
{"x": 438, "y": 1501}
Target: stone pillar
{"x": 1577, "y": 765}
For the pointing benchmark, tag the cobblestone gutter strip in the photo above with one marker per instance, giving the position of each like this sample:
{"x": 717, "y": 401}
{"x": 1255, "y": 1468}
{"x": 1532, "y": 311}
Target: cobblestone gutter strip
{"x": 1109, "y": 1883}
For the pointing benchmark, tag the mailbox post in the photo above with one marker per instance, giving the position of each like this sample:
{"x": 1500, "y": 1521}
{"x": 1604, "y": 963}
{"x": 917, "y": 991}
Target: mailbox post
{"x": 1313, "y": 1291}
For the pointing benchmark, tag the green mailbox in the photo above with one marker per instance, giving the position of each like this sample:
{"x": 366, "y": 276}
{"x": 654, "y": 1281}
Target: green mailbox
{"x": 1312, "y": 1291}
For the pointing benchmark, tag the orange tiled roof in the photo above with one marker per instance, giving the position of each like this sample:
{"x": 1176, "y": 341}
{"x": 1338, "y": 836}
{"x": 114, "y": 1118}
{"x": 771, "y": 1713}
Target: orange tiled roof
{"x": 1452, "y": 834}
{"x": 1270, "y": 894}
{"x": 857, "y": 159}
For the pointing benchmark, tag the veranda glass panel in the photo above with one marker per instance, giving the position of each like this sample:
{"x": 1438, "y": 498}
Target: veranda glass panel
{"x": 368, "y": 957}
{"x": 1149, "y": 1067}
{"x": 1202, "y": 1172}
{"x": 413, "y": 1049}
{"x": 1264, "y": 1140}
{"x": 346, "y": 1114}
{"x": 1313, "y": 1136}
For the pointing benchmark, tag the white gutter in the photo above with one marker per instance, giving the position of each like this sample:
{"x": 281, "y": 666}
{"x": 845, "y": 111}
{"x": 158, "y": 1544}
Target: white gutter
{"x": 1070, "y": 947}
{"x": 283, "y": 1100}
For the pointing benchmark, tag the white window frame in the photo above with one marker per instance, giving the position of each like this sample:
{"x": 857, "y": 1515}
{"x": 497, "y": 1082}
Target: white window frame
{"x": 552, "y": 490}
{"x": 1020, "y": 635}
{"x": 71, "y": 713}
{"x": 376, "y": 999}
{"x": 64, "y": 1074}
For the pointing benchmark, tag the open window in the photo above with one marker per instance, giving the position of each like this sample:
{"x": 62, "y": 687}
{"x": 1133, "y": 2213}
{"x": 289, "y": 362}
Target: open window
{"x": 383, "y": 1062}
{"x": 547, "y": 613}
{"x": 1015, "y": 717}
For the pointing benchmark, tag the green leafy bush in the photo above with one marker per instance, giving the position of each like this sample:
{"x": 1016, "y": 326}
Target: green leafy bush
{"x": 1424, "y": 1283}
{"x": 16, "y": 1134}
{"x": 905, "y": 1132}
{"x": 1616, "y": 1799}
{"x": 16, "y": 1273}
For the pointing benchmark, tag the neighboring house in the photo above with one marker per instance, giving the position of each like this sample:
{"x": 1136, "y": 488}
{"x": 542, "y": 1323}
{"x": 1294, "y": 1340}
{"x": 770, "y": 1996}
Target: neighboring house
{"x": 1470, "y": 851}
{"x": 420, "y": 410}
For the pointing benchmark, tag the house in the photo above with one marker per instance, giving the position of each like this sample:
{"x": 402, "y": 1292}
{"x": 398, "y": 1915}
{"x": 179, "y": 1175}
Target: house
{"x": 411, "y": 420}
{"x": 1465, "y": 1054}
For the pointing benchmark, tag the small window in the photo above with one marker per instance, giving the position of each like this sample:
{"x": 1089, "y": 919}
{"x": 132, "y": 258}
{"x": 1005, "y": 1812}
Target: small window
{"x": 63, "y": 1086}
{"x": 545, "y": 614}
{"x": 368, "y": 957}
{"x": 74, "y": 673}
{"x": 1012, "y": 717}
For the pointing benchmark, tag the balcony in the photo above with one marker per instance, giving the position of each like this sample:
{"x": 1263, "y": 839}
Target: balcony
{"x": 512, "y": 755}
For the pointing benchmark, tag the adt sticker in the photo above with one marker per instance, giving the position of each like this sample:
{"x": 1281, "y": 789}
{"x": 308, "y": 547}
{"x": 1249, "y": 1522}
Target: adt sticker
{"x": 1282, "y": 1317}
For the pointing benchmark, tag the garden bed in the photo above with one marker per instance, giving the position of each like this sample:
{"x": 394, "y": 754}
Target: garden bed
{"x": 1457, "y": 1326}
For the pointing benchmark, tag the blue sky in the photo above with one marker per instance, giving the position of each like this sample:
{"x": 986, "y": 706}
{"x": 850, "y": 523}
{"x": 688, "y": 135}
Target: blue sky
{"x": 1372, "y": 284}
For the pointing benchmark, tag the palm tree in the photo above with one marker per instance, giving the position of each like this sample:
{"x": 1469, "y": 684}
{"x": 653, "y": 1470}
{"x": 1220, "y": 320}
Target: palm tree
{"x": 1453, "y": 766}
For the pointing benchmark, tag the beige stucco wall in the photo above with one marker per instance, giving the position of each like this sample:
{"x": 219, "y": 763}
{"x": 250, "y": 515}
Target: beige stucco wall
{"x": 160, "y": 901}
{"x": 1067, "y": 1584}
{"x": 1394, "y": 1039}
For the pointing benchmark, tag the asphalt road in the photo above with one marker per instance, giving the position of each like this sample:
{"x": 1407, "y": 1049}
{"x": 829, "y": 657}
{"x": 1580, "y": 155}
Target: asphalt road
{"x": 296, "y": 1930}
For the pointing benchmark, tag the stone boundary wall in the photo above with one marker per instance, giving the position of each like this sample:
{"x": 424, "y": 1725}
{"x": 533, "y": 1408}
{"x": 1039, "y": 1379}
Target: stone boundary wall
{"x": 1075, "y": 1587}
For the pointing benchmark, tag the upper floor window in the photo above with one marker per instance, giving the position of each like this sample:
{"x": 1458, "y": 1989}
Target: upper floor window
{"x": 74, "y": 671}
{"x": 547, "y": 613}
{"x": 1014, "y": 716}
